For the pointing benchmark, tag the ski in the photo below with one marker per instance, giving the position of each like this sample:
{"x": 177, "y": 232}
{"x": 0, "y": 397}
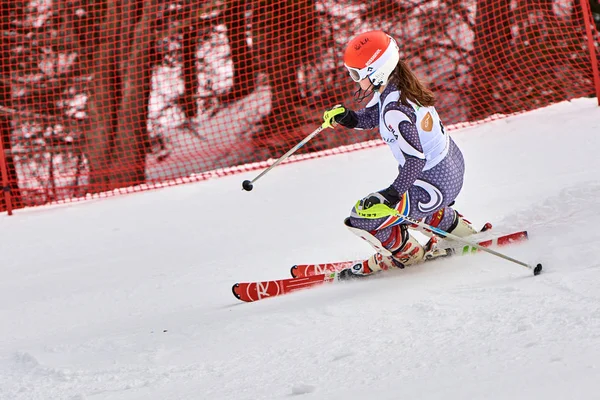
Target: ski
{"x": 319, "y": 274}
{"x": 303, "y": 270}
{"x": 254, "y": 291}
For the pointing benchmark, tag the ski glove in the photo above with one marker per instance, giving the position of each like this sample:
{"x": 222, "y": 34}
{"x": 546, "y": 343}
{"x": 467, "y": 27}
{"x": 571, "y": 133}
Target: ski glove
{"x": 388, "y": 197}
{"x": 339, "y": 114}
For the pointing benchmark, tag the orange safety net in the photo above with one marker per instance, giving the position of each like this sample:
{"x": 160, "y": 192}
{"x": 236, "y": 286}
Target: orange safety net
{"x": 131, "y": 95}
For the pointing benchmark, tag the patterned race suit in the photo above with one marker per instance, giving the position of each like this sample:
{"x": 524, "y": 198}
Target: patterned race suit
{"x": 430, "y": 164}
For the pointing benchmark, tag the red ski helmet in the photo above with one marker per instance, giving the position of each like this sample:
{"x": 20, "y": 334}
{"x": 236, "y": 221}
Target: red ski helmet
{"x": 372, "y": 55}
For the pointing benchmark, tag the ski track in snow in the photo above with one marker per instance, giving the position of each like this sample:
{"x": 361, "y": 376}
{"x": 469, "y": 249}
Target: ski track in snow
{"x": 129, "y": 297}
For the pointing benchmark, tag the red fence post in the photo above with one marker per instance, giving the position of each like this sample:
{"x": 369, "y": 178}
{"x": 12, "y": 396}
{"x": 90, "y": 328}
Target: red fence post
{"x": 5, "y": 187}
{"x": 588, "y": 20}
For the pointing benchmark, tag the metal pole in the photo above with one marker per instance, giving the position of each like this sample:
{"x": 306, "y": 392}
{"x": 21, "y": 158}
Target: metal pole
{"x": 536, "y": 269}
{"x": 5, "y": 187}
{"x": 248, "y": 185}
{"x": 588, "y": 20}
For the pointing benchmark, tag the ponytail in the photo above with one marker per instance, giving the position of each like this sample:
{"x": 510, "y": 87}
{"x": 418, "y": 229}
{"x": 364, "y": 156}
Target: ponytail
{"x": 410, "y": 87}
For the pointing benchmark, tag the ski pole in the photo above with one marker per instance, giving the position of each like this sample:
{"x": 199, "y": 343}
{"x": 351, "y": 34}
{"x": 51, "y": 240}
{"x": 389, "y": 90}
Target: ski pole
{"x": 536, "y": 269}
{"x": 248, "y": 185}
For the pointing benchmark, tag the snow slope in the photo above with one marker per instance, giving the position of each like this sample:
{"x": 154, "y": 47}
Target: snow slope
{"x": 129, "y": 297}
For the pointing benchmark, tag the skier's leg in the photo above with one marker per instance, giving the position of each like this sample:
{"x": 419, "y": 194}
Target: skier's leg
{"x": 451, "y": 221}
{"x": 441, "y": 185}
{"x": 398, "y": 244}
{"x": 396, "y": 247}
{"x": 390, "y": 235}
{"x": 398, "y": 250}
{"x": 428, "y": 199}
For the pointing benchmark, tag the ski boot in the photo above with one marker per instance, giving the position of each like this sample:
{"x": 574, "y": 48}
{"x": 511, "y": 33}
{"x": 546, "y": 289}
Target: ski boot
{"x": 462, "y": 227}
{"x": 408, "y": 252}
{"x": 459, "y": 227}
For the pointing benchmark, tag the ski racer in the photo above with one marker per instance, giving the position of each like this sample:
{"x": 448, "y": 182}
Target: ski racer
{"x": 430, "y": 164}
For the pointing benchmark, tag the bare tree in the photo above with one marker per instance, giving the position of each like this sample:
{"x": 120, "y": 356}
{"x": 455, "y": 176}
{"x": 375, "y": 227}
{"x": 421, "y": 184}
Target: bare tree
{"x": 189, "y": 71}
{"x": 595, "y": 8}
{"x": 131, "y": 139}
{"x": 492, "y": 38}
{"x": 284, "y": 33}
{"x": 117, "y": 140}
{"x": 244, "y": 66}
{"x": 102, "y": 104}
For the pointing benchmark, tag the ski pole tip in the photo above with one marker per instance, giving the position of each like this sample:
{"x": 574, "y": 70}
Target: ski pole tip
{"x": 247, "y": 186}
{"x": 537, "y": 270}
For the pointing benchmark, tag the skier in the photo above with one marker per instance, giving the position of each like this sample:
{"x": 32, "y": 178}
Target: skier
{"x": 430, "y": 164}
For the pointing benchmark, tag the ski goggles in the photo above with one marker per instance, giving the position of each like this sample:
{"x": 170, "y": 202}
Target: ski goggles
{"x": 357, "y": 74}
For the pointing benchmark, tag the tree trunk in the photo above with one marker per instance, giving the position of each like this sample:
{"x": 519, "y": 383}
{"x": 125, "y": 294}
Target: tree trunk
{"x": 117, "y": 139}
{"x": 131, "y": 140}
{"x": 490, "y": 46}
{"x": 284, "y": 31}
{"x": 102, "y": 104}
{"x": 5, "y": 119}
{"x": 190, "y": 72}
{"x": 595, "y": 9}
{"x": 244, "y": 66}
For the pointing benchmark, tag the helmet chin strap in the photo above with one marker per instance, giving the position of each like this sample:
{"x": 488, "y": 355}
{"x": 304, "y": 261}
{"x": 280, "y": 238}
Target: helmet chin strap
{"x": 360, "y": 95}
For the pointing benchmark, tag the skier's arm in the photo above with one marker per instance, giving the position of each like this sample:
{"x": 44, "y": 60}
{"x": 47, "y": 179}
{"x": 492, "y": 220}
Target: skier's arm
{"x": 366, "y": 118}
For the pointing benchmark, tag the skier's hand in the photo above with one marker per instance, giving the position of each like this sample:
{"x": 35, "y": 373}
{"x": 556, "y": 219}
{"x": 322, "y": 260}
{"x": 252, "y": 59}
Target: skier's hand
{"x": 339, "y": 114}
{"x": 388, "y": 197}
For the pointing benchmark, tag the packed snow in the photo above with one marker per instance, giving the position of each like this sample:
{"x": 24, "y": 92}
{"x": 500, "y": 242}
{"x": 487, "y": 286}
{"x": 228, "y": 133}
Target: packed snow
{"x": 129, "y": 297}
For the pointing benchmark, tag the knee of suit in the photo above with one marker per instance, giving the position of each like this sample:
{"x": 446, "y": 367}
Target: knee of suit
{"x": 443, "y": 219}
{"x": 366, "y": 224}
{"x": 392, "y": 237}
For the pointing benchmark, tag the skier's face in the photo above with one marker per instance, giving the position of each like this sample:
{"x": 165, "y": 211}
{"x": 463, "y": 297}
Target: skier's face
{"x": 365, "y": 84}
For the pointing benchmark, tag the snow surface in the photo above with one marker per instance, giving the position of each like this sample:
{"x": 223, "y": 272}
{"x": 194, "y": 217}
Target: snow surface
{"x": 129, "y": 297}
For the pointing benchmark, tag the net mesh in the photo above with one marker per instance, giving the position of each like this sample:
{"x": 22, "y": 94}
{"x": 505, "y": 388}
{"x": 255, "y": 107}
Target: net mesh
{"x": 101, "y": 97}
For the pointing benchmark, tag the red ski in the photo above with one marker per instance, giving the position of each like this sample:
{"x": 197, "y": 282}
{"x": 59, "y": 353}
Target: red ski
{"x": 303, "y": 270}
{"x": 253, "y": 291}
{"x": 318, "y": 274}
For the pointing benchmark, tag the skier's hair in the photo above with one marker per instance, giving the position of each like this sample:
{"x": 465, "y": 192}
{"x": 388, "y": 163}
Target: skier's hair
{"x": 410, "y": 86}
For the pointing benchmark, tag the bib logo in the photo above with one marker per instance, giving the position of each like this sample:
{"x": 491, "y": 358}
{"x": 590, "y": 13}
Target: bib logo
{"x": 427, "y": 122}
{"x": 392, "y": 130}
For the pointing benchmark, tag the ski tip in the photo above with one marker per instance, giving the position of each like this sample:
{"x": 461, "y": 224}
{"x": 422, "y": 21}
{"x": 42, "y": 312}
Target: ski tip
{"x": 537, "y": 270}
{"x": 293, "y": 271}
{"x": 233, "y": 289}
{"x": 486, "y": 227}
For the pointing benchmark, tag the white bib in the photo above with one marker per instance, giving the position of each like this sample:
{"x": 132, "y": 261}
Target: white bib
{"x": 434, "y": 140}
